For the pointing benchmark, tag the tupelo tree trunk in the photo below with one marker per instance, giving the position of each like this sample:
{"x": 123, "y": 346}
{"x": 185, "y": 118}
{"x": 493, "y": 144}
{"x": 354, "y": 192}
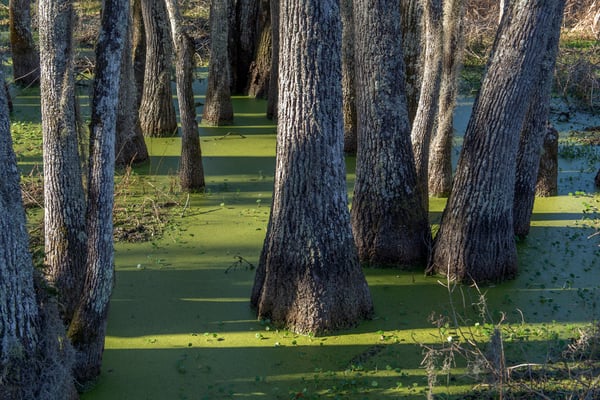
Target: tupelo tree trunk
{"x": 389, "y": 222}
{"x": 412, "y": 34}
{"x": 138, "y": 45}
{"x": 308, "y": 278}
{"x": 476, "y": 237}
{"x": 273, "y": 98}
{"x": 348, "y": 77}
{"x": 242, "y": 42}
{"x": 25, "y": 57}
{"x": 260, "y": 68}
{"x": 547, "y": 180}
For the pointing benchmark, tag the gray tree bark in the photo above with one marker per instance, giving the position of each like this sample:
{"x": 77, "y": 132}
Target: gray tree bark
{"x": 157, "y": 112}
{"x": 308, "y": 278}
{"x": 389, "y": 222}
{"x": 412, "y": 43}
{"x": 242, "y": 43}
{"x": 25, "y": 57}
{"x": 139, "y": 49}
{"x": 476, "y": 237}
{"x": 260, "y": 68}
{"x": 547, "y": 180}
{"x": 191, "y": 172}
{"x": 218, "y": 109}
{"x": 273, "y": 98}
{"x": 348, "y": 77}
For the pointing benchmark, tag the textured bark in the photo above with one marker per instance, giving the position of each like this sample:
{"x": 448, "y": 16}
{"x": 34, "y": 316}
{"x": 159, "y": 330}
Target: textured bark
{"x": 25, "y": 57}
{"x": 427, "y": 111}
{"x": 130, "y": 145}
{"x": 139, "y": 49}
{"x": 273, "y": 99}
{"x": 309, "y": 278}
{"x": 476, "y": 236}
{"x": 412, "y": 44}
{"x": 218, "y": 109}
{"x": 389, "y": 223}
{"x": 260, "y": 69}
{"x": 547, "y": 180}
{"x": 242, "y": 42}
{"x": 348, "y": 76}
{"x": 64, "y": 204}
{"x": 157, "y": 113}
{"x": 191, "y": 172}
{"x": 440, "y": 158}
{"x": 88, "y": 328}
{"x": 534, "y": 130}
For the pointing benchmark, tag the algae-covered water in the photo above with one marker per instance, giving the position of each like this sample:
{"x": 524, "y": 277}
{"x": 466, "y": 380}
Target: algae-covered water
{"x": 180, "y": 325}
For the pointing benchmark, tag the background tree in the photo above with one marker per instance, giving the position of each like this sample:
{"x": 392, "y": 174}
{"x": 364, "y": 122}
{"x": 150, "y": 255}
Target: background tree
{"x": 157, "y": 113}
{"x": 218, "y": 109}
{"x": 191, "y": 172}
{"x": 476, "y": 236}
{"x": 138, "y": 48}
{"x": 273, "y": 99}
{"x": 547, "y": 180}
{"x": 242, "y": 42}
{"x": 412, "y": 32}
{"x": 25, "y": 57}
{"x": 260, "y": 68}
{"x": 308, "y": 277}
{"x": 389, "y": 222}
{"x": 348, "y": 76}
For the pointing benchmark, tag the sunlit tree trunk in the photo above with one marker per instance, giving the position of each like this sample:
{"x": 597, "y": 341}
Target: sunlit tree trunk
{"x": 88, "y": 328}
{"x": 218, "y": 109}
{"x": 534, "y": 131}
{"x": 157, "y": 112}
{"x": 273, "y": 99}
{"x": 412, "y": 44}
{"x": 64, "y": 203}
{"x": 476, "y": 237}
{"x": 348, "y": 76}
{"x": 389, "y": 222}
{"x": 260, "y": 69}
{"x": 191, "y": 172}
{"x": 139, "y": 48}
{"x": 309, "y": 278}
{"x": 440, "y": 158}
{"x": 25, "y": 57}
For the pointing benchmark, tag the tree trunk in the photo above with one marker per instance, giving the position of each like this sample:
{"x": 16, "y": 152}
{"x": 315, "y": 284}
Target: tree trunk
{"x": 139, "y": 49}
{"x": 130, "y": 145}
{"x": 309, "y": 278}
{"x": 157, "y": 113}
{"x": 191, "y": 172}
{"x": 64, "y": 203}
{"x": 534, "y": 131}
{"x": 389, "y": 223}
{"x": 440, "y": 161}
{"x": 273, "y": 99}
{"x": 425, "y": 118}
{"x": 88, "y": 328}
{"x": 348, "y": 77}
{"x": 476, "y": 237}
{"x": 242, "y": 41}
{"x": 260, "y": 69}
{"x": 412, "y": 33}
{"x": 218, "y": 109}
{"x": 547, "y": 180}
{"x": 25, "y": 57}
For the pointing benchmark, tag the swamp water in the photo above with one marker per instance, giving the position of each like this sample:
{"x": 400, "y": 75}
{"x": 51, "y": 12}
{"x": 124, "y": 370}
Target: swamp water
{"x": 180, "y": 325}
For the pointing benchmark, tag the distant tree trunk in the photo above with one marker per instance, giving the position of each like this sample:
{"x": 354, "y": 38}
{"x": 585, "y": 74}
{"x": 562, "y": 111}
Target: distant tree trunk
{"x": 440, "y": 160}
{"x": 130, "y": 145}
{"x": 25, "y": 57}
{"x": 273, "y": 99}
{"x": 309, "y": 278}
{"x": 476, "y": 236}
{"x": 412, "y": 43}
{"x": 139, "y": 49}
{"x": 218, "y": 109}
{"x": 547, "y": 180}
{"x": 388, "y": 219}
{"x": 191, "y": 172}
{"x": 157, "y": 113}
{"x": 260, "y": 69}
{"x": 88, "y": 328}
{"x": 348, "y": 76}
{"x": 64, "y": 203}
{"x": 427, "y": 111}
{"x": 534, "y": 130}
{"x": 242, "y": 43}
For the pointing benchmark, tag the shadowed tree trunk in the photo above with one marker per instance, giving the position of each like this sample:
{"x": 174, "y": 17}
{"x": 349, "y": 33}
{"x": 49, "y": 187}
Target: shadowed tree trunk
{"x": 547, "y": 180}
{"x": 534, "y": 131}
{"x": 260, "y": 69}
{"x": 427, "y": 111}
{"x": 191, "y": 172}
{"x": 389, "y": 223}
{"x": 242, "y": 43}
{"x": 218, "y": 109}
{"x": 64, "y": 205}
{"x": 476, "y": 237}
{"x": 25, "y": 57}
{"x": 157, "y": 113}
{"x": 130, "y": 145}
{"x": 412, "y": 43}
{"x": 273, "y": 99}
{"x": 440, "y": 159}
{"x": 308, "y": 278}
{"x": 348, "y": 76}
{"x": 88, "y": 328}
{"x": 139, "y": 49}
